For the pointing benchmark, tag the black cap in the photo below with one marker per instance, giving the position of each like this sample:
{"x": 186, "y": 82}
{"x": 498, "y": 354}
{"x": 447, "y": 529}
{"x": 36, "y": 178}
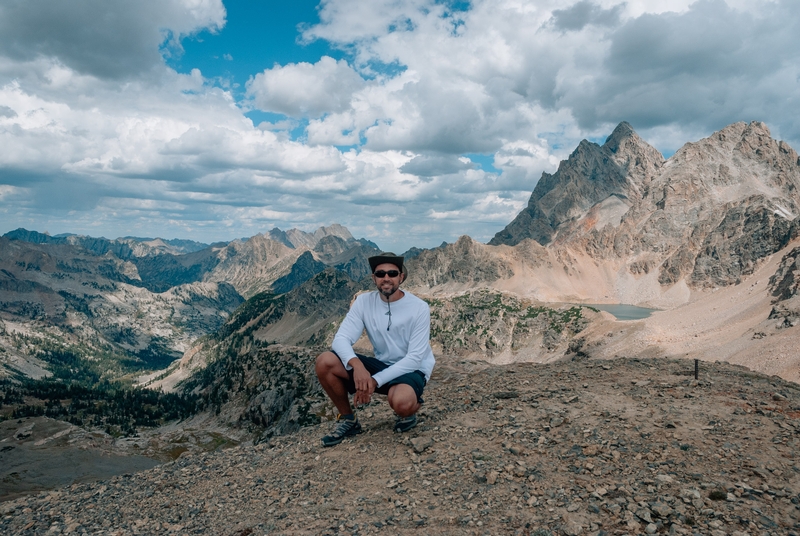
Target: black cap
{"x": 387, "y": 257}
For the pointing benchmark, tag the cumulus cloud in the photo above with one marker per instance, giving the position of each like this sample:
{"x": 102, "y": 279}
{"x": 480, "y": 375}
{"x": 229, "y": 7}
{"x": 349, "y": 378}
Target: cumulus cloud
{"x": 710, "y": 64}
{"x": 491, "y": 78}
{"x": 104, "y": 38}
{"x": 522, "y": 163}
{"x": 302, "y": 89}
{"x": 98, "y": 133}
{"x": 680, "y": 63}
{"x": 577, "y": 16}
{"x": 434, "y": 165}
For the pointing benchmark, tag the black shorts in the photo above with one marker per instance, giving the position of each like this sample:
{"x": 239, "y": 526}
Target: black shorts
{"x": 415, "y": 379}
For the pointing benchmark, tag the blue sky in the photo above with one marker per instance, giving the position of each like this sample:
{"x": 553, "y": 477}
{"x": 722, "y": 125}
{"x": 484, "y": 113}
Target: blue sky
{"x": 258, "y": 34}
{"x": 411, "y": 123}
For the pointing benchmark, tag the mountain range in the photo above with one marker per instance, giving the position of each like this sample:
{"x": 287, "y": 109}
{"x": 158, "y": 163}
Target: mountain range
{"x": 145, "y": 301}
{"x": 615, "y": 223}
{"x": 707, "y": 236}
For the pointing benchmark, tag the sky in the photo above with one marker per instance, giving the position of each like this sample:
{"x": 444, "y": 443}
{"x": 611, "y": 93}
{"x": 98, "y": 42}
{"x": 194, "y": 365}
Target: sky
{"x": 411, "y": 122}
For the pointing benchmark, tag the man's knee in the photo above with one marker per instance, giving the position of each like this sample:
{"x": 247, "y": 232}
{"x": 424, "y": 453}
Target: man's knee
{"x": 329, "y": 364}
{"x": 325, "y": 362}
{"x": 403, "y": 400}
{"x": 405, "y": 407}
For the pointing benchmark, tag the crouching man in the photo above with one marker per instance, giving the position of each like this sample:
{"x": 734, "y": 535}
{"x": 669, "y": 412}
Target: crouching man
{"x": 398, "y": 325}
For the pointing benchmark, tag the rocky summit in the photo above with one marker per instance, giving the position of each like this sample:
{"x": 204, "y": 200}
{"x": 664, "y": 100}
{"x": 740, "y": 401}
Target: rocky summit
{"x": 578, "y": 447}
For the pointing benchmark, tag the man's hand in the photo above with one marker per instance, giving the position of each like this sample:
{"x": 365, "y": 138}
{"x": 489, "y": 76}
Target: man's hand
{"x": 365, "y": 383}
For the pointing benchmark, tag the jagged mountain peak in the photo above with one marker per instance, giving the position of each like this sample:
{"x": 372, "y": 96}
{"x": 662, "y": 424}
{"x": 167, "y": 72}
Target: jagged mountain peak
{"x": 295, "y": 238}
{"x": 734, "y": 163}
{"x": 302, "y": 239}
{"x": 622, "y": 167}
{"x": 640, "y": 160}
{"x": 628, "y": 146}
{"x": 622, "y": 132}
{"x": 739, "y": 161}
{"x": 747, "y": 141}
{"x": 334, "y": 229}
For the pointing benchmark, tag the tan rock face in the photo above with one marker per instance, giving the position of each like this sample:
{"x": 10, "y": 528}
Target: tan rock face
{"x": 785, "y": 286}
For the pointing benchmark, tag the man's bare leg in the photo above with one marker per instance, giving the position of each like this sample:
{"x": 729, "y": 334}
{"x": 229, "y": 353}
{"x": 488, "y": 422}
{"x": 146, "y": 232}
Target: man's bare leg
{"x": 333, "y": 377}
{"x": 403, "y": 400}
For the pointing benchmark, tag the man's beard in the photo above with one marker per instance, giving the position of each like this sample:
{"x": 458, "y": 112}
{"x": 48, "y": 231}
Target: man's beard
{"x": 388, "y": 292}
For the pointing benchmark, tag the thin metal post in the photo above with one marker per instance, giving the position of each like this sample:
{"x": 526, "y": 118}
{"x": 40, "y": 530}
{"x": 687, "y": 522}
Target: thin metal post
{"x": 696, "y": 367}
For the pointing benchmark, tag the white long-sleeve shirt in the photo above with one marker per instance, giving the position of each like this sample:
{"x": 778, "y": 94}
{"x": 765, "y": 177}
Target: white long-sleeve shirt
{"x": 405, "y": 346}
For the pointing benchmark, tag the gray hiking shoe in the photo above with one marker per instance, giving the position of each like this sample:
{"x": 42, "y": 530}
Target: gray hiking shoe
{"x": 404, "y": 424}
{"x": 344, "y": 428}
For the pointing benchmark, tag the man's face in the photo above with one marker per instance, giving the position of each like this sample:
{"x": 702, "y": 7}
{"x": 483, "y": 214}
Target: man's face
{"x": 387, "y": 285}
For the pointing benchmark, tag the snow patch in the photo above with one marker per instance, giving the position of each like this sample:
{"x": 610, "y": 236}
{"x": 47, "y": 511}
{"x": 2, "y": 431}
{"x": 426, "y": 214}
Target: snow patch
{"x": 780, "y": 211}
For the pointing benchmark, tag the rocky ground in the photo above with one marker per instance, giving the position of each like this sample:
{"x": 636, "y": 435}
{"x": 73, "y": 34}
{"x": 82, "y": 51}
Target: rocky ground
{"x": 580, "y": 447}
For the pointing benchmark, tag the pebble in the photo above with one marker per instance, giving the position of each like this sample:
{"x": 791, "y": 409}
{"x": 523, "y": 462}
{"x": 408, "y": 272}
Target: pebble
{"x": 421, "y": 443}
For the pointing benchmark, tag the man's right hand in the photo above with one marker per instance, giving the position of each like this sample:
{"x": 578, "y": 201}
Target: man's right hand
{"x": 365, "y": 383}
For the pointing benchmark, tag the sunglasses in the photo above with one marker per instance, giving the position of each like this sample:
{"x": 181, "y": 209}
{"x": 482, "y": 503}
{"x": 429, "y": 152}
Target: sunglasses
{"x": 380, "y": 274}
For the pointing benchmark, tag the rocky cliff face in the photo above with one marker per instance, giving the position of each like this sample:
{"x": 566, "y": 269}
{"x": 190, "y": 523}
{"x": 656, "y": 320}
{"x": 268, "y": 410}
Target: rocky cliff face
{"x": 727, "y": 201}
{"x": 252, "y": 265}
{"x": 643, "y": 229}
{"x": 465, "y": 263}
{"x": 785, "y": 288}
{"x": 622, "y": 168}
